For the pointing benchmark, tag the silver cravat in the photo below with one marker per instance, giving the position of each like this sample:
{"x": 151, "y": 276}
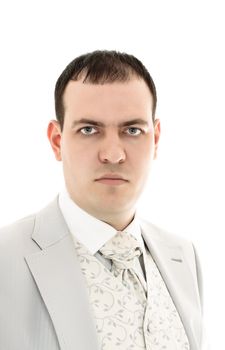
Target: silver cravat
{"x": 124, "y": 251}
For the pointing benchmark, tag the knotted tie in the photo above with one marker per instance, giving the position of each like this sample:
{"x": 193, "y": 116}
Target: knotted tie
{"x": 124, "y": 250}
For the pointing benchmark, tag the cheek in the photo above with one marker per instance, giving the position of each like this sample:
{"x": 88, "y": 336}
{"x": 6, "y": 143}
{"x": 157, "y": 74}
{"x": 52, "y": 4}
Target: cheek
{"x": 142, "y": 158}
{"x": 143, "y": 153}
{"x": 79, "y": 161}
{"x": 70, "y": 150}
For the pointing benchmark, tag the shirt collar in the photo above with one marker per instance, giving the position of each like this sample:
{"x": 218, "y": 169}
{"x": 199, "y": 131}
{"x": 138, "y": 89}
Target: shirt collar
{"x": 90, "y": 231}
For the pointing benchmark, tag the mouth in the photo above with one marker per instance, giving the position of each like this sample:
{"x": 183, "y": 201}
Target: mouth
{"x": 112, "y": 179}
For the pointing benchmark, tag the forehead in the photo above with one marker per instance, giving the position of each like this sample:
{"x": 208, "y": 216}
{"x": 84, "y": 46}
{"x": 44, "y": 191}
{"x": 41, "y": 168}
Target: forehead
{"x": 107, "y": 100}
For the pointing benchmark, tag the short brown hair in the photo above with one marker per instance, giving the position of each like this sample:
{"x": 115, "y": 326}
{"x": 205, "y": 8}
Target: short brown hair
{"x": 99, "y": 67}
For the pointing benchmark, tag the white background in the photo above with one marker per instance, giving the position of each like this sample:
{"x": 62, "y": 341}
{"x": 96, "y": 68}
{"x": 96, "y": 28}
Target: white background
{"x": 182, "y": 45}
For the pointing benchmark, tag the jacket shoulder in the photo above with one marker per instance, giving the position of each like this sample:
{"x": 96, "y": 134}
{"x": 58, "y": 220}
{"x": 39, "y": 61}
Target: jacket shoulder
{"x": 163, "y": 234}
{"x": 16, "y": 235}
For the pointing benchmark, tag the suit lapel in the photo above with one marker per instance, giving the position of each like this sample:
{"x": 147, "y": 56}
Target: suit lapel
{"x": 175, "y": 271}
{"x": 58, "y": 276}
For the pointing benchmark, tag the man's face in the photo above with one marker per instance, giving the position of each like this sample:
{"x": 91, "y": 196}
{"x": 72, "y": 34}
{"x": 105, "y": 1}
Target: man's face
{"x": 89, "y": 151}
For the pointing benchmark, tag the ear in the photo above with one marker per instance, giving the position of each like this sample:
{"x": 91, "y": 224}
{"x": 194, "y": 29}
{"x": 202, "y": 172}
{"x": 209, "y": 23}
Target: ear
{"x": 157, "y": 130}
{"x": 54, "y": 136}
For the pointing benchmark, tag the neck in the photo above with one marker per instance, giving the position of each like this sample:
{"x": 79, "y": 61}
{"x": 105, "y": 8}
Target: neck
{"x": 119, "y": 224}
{"x": 119, "y": 220}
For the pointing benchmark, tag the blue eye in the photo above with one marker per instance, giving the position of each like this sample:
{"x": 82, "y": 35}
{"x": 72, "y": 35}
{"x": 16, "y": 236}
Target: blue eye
{"x": 132, "y": 133}
{"x": 90, "y": 130}
{"x": 87, "y": 128}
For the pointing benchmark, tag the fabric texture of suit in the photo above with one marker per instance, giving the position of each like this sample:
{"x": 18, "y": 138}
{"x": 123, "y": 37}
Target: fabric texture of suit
{"x": 43, "y": 300}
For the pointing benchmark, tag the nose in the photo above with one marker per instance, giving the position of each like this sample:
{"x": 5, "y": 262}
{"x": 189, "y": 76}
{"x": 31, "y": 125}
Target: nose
{"x": 112, "y": 150}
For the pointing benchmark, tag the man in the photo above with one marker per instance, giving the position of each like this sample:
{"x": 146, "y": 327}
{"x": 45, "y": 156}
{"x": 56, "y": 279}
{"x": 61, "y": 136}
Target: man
{"x": 86, "y": 272}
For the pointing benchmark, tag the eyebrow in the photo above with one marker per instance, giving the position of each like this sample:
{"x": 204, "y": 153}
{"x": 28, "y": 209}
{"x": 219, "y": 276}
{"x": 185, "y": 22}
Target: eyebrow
{"x": 97, "y": 123}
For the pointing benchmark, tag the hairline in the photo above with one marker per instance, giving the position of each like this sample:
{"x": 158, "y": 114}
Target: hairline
{"x": 82, "y": 76}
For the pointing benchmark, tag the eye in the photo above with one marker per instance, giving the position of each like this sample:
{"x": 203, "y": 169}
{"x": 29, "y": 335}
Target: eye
{"x": 133, "y": 131}
{"x": 88, "y": 129}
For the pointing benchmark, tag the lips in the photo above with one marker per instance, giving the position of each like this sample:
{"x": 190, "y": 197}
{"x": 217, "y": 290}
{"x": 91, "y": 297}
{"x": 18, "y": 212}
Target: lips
{"x": 112, "y": 177}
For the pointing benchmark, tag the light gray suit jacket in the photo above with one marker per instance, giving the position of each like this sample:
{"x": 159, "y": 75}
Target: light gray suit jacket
{"x": 43, "y": 300}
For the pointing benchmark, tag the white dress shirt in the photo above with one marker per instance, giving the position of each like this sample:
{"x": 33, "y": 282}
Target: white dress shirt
{"x": 92, "y": 232}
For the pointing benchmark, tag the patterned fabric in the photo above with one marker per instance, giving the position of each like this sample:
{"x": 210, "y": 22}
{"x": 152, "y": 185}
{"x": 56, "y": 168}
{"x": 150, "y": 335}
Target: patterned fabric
{"x": 165, "y": 329}
{"x": 123, "y": 249}
{"x": 124, "y": 320}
